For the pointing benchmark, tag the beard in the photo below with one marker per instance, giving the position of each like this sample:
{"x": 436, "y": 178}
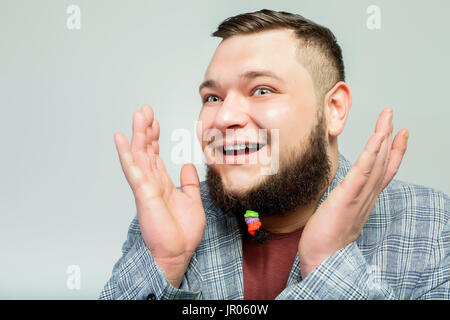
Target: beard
{"x": 298, "y": 182}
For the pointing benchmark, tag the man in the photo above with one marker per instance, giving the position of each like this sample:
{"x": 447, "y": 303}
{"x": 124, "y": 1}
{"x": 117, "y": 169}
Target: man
{"x": 324, "y": 229}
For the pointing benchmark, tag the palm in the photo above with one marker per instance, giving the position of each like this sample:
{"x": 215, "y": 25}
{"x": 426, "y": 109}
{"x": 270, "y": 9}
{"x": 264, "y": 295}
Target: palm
{"x": 171, "y": 220}
{"x": 177, "y": 228}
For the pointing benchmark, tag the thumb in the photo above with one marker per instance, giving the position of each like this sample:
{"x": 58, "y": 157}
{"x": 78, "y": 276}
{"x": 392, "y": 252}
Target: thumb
{"x": 190, "y": 183}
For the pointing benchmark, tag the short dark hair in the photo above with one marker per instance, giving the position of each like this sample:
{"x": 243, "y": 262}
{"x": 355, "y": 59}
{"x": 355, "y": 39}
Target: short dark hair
{"x": 319, "y": 51}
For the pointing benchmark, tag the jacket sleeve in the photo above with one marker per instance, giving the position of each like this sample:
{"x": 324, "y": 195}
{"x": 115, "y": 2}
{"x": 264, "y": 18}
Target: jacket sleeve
{"x": 136, "y": 276}
{"x": 347, "y": 275}
{"x": 342, "y": 276}
{"x": 437, "y": 272}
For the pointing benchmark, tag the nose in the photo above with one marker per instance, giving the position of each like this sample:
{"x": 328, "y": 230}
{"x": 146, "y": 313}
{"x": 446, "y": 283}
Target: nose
{"x": 233, "y": 113}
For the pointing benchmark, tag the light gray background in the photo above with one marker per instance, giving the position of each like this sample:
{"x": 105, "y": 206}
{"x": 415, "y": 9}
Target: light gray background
{"x": 63, "y": 94}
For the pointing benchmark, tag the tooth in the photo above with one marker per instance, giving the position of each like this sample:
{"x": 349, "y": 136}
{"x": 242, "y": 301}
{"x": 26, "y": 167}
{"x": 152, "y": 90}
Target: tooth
{"x": 238, "y": 147}
{"x": 230, "y": 148}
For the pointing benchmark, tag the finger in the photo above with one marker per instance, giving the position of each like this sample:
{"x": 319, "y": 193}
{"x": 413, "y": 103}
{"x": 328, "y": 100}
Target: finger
{"x": 382, "y": 125}
{"x": 148, "y": 112}
{"x": 139, "y": 146}
{"x": 123, "y": 149}
{"x": 151, "y": 156}
{"x": 396, "y": 156}
{"x": 152, "y": 134}
{"x": 138, "y": 140}
{"x": 155, "y": 130}
{"x": 148, "y": 136}
{"x": 358, "y": 175}
{"x": 373, "y": 184}
{"x": 150, "y": 148}
{"x": 190, "y": 183}
{"x": 371, "y": 190}
{"x": 132, "y": 173}
{"x": 155, "y": 136}
{"x": 149, "y": 117}
{"x": 155, "y": 146}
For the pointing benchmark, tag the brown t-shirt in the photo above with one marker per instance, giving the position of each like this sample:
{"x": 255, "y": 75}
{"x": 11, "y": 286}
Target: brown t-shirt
{"x": 267, "y": 266}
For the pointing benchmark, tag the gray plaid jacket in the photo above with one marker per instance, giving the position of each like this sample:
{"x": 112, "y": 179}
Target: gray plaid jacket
{"x": 402, "y": 253}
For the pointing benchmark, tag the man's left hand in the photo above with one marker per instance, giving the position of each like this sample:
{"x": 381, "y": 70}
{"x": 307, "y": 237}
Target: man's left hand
{"x": 340, "y": 218}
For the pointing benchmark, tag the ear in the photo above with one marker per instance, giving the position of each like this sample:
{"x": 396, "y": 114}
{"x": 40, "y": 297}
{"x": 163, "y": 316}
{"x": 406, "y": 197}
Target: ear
{"x": 338, "y": 101}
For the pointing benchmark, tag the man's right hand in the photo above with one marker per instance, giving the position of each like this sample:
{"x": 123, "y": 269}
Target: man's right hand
{"x": 172, "y": 221}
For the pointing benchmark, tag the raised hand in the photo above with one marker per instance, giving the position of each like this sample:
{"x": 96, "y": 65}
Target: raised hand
{"x": 340, "y": 218}
{"x": 172, "y": 221}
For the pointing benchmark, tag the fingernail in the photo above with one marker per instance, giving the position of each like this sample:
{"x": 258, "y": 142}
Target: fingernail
{"x": 406, "y": 136}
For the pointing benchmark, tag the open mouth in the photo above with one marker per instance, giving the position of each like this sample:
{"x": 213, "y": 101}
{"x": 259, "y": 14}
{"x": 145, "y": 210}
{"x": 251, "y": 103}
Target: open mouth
{"x": 241, "y": 149}
{"x": 239, "y": 153}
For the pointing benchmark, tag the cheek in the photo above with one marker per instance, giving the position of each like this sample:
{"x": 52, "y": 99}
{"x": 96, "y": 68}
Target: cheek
{"x": 293, "y": 122}
{"x": 204, "y": 123}
{"x": 278, "y": 116}
{"x": 271, "y": 115}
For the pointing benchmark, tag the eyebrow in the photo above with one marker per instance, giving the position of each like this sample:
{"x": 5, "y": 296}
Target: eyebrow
{"x": 249, "y": 75}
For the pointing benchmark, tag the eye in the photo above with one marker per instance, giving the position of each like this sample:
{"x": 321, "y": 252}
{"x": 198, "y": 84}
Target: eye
{"x": 261, "y": 91}
{"x": 211, "y": 98}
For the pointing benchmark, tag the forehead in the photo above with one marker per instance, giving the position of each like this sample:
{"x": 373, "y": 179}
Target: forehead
{"x": 275, "y": 50}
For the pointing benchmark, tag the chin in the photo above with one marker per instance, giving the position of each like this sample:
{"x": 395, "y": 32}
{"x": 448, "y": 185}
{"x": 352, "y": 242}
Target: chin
{"x": 240, "y": 181}
{"x": 236, "y": 188}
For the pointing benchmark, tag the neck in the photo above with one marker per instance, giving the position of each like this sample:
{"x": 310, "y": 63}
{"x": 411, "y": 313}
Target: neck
{"x": 288, "y": 222}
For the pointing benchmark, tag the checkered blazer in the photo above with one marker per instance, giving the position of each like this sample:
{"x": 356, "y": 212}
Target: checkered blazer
{"x": 401, "y": 253}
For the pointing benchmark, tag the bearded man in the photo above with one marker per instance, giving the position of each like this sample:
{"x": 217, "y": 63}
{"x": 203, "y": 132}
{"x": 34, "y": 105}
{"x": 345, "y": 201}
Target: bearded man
{"x": 315, "y": 227}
